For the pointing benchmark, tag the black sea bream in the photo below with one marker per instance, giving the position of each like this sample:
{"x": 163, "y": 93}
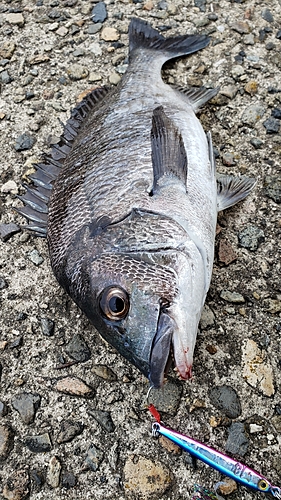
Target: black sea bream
{"x": 129, "y": 202}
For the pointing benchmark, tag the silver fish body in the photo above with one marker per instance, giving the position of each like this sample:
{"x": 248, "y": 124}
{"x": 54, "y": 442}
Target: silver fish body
{"x": 132, "y": 208}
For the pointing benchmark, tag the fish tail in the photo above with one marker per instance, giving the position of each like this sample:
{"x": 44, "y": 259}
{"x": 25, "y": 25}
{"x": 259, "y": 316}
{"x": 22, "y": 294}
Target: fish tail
{"x": 142, "y": 35}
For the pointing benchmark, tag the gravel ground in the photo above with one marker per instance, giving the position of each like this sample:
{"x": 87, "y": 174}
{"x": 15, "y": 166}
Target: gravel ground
{"x": 73, "y": 422}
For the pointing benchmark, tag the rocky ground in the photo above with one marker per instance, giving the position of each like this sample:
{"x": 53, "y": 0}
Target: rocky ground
{"x": 73, "y": 422}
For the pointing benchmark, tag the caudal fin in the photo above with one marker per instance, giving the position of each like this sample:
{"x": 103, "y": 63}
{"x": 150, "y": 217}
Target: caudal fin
{"x": 142, "y": 35}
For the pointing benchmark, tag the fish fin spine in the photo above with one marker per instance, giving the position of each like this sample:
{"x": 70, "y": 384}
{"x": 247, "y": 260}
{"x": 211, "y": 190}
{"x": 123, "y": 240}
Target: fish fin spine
{"x": 231, "y": 190}
{"x": 198, "y": 97}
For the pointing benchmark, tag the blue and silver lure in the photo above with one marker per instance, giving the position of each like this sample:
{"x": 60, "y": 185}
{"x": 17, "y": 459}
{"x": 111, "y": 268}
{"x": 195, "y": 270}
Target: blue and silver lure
{"x": 224, "y": 464}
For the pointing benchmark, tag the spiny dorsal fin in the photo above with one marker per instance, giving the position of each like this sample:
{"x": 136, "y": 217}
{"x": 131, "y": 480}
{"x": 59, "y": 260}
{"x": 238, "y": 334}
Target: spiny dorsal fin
{"x": 232, "y": 189}
{"x": 37, "y": 195}
{"x": 142, "y": 35}
{"x": 168, "y": 151}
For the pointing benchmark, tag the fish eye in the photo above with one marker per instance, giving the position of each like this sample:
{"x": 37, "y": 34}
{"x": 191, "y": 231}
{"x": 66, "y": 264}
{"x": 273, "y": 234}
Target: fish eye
{"x": 263, "y": 485}
{"x": 114, "y": 303}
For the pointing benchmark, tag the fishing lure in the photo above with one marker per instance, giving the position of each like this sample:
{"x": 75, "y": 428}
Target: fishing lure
{"x": 224, "y": 464}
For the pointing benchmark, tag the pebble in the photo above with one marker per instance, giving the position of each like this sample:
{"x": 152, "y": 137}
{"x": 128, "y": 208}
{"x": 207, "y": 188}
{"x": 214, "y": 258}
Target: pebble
{"x": 95, "y": 48}
{"x": 227, "y": 486}
{"x": 99, "y": 13}
{"x": 104, "y": 372}
{"x": 6, "y": 441}
{"x": 273, "y": 306}
{"x": 9, "y": 187}
{"x": 94, "y": 77}
{"x": 276, "y": 422}
{"x": 144, "y": 478}
{"x": 114, "y": 78}
{"x": 252, "y": 114}
{"x": 69, "y": 430}
{"x": 256, "y": 142}
{"x": 168, "y": 398}
{"x": 78, "y": 349}
{"x": 62, "y": 31}
{"x": 94, "y": 457}
{"x": 94, "y": 28}
{"x": 237, "y": 442}
{"x": 207, "y": 318}
{"x": 251, "y": 87}
{"x": 267, "y": 15}
{"x": 169, "y": 445}
{"x": 17, "y": 19}
{"x": 256, "y": 371}
{"x": 3, "y": 409}
{"x": 241, "y": 27}
{"x": 228, "y": 159}
{"x": 103, "y": 418}
{"x": 39, "y": 444}
{"x": 201, "y": 4}
{"x": 53, "y": 472}
{"x": 251, "y": 237}
{"x": 272, "y": 188}
{"x": 74, "y": 387}
{"x": 226, "y": 253}
{"x": 17, "y": 486}
{"x": 249, "y": 39}
{"x": 254, "y": 428}
{"x": 271, "y": 125}
{"x": 226, "y": 399}
{"x": 229, "y": 91}
{"x": 7, "y": 50}
{"x": 77, "y": 72}
{"x": 232, "y": 297}
{"x": 6, "y": 77}
{"x": 47, "y": 326}
{"x": 35, "y": 257}
{"x": 26, "y": 404}
{"x": 110, "y": 34}
{"x": 24, "y": 141}
{"x": 276, "y": 113}
{"x": 8, "y": 230}
{"x": 68, "y": 480}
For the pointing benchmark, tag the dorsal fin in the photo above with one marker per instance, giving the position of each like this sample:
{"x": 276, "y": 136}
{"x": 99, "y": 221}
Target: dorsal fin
{"x": 37, "y": 195}
{"x": 168, "y": 151}
{"x": 198, "y": 96}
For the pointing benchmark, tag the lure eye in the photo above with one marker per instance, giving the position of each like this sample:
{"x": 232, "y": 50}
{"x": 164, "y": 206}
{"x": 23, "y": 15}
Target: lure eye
{"x": 263, "y": 485}
{"x": 114, "y": 303}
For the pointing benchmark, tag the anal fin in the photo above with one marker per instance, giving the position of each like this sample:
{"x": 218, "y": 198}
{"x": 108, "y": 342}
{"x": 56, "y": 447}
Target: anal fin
{"x": 198, "y": 96}
{"x": 232, "y": 189}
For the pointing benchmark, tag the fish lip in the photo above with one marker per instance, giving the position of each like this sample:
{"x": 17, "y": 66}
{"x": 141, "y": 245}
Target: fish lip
{"x": 160, "y": 354}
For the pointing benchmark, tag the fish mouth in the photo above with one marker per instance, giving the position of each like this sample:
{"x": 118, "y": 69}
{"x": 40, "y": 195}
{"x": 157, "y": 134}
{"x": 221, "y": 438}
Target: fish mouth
{"x": 163, "y": 353}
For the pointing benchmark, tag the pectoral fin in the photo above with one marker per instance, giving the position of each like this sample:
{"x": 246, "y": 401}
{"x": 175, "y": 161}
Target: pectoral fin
{"x": 232, "y": 189}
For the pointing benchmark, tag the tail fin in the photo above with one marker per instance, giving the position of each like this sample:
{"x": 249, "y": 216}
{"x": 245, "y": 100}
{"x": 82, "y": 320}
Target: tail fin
{"x": 142, "y": 35}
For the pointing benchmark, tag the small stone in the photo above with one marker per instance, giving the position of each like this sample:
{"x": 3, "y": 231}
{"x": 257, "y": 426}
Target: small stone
{"x": 17, "y": 486}
{"x": 110, "y": 34}
{"x": 144, "y": 478}
{"x": 249, "y": 39}
{"x": 114, "y": 78}
{"x": 104, "y": 372}
{"x": 148, "y": 5}
{"x": 278, "y": 35}
{"x": 267, "y": 15}
{"x": 69, "y": 430}
{"x": 273, "y": 306}
{"x": 252, "y": 114}
{"x": 270, "y": 46}
{"x": 196, "y": 404}
{"x": 6, "y": 77}
{"x": 62, "y": 31}
{"x": 39, "y": 59}
{"x": 200, "y": 23}
{"x": 94, "y": 457}
{"x": 8, "y": 230}
{"x": 77, "y": 72}
{"x": 3, "y": 284}
{"x": 232, "y": 297}
{"x": 3, "y": 409}
{"x": 47, "y": 326}
{"x": 94, "y": 77}
{"x": 167, "y": 400}
{"x": 276, "y": 113}
{"x": 6, "y": 441}
{"x": 228, "y": 159}
{"x": 95, "y": 48}
{"x": 74, "y": 387}
{"x": 237, "y": 442}
{"x": 17, "y": 19}
{"x": 241, "y": 27}
{"x": 68, "y": 480}
{"x": 39, "y": 444}
{"x": 251, "y": 87}
{"x": 99, "y": 13}
{"x": 254, "y": 428}
{"x": 9, "y": 187}
{"x": 226, "y": 399}
{"x": 94, "y": 28}
{"x": 227, "y": 486}
{"x": 229, "y": 91}
{"x": 256, "y": 142}
{"x": 103, "y": 418}
{"x": 169, "y": 445}
{"x": 24, "y": 141}
{"x": 7, "y": 50}
{"x": 276, "y": 422}
{"x": 273, "y": 188}
{"x": 26, "y": 404}
{"x": 251, "y": 237}
{"x": 271, "y": 125}
{"x": 207, "y": 318}
{"x": 256, "y": 371}
{"x": 78, "y": 349}
{"x": 35, "y": 257}
{"x": 201, "y": 4}
{"x": 226, "y": 253}
{"x": 37, "y": 478}
{"x": 211, "y": 349}
{"x": 53, "y": 472}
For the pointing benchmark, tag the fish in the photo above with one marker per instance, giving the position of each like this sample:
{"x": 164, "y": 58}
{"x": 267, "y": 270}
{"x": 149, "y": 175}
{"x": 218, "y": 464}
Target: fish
{"x": 224, "y": 464}
{"x": 128, "y": 200}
